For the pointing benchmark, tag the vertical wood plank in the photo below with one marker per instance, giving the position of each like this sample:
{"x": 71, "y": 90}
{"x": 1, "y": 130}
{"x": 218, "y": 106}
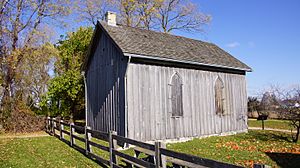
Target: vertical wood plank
{"x": 156, "y": 105}
{"x": 112, "y": 145}
{"x": 88, "y": 137}
{"x": 54, "y": 126}
{"x": 62, "y": 136}
{"x": 157, "y": 154}
{"x": 198, "y": 102}
{"x": 72, "y": 141}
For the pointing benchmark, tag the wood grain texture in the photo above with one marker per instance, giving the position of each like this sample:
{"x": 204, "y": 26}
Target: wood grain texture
{"x": 105, "y": 88}
{"x": 150, "y": 107}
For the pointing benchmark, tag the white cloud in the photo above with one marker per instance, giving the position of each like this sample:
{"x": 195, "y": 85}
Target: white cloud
{"x": 233, "y": 44}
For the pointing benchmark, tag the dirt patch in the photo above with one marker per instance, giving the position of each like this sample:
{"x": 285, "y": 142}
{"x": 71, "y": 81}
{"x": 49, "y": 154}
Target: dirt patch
{"x": 23, "y": 135}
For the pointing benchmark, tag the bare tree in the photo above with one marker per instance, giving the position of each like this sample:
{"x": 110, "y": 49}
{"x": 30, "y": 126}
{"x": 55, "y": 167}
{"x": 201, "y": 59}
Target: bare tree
{"x": 289, "y": 101}
{"x": 294, "y": 115}
{"x": 91, "y": 10}
{"x": 253, "y": 104}
{"x": 128, "y": 12}
{"x": 268, "y": 102}
{"x": 181, "y": 15}
{"x": 147, "y": 11}
{"x": 292, "y": 107}
{"x": 161, "y": 15}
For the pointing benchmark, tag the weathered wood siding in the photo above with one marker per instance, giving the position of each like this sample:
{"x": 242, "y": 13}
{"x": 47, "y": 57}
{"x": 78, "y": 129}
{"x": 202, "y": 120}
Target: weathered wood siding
{"x": 105, "y": 88}
{"x": 149, "y": 103}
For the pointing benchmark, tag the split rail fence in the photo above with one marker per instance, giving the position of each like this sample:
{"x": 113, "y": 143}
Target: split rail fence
{"x": 154, "y": 155}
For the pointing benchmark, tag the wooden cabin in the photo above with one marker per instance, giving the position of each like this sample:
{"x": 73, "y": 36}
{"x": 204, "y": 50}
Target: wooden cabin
{"x": 148, "y": 85}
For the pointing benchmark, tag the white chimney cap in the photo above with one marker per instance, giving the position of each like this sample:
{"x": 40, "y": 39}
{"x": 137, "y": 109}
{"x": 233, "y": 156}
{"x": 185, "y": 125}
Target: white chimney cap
{"x": 111, "y": 18}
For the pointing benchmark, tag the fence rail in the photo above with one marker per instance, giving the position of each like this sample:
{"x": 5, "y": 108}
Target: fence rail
{"x": 157, "y": 155}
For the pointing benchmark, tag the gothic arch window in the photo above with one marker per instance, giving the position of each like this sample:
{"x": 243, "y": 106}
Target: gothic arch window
{"x": 219, "y": 96}
{"x": 176, "y": 95}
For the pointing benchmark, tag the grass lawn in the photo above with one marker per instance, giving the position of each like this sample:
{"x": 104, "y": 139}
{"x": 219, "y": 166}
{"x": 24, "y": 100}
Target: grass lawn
{"x": 276, "y": 124}
{"x": 40, "y": 152}
{"x": 265, "y": 147}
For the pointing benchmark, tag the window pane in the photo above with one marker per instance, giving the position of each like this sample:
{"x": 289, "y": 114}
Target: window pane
{"x": 176, "y": 95}
{"x": 219, "y": 97}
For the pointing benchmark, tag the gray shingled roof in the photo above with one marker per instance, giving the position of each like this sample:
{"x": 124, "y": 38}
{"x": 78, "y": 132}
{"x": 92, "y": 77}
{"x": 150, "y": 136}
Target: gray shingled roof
{"x": 134, "y": 41}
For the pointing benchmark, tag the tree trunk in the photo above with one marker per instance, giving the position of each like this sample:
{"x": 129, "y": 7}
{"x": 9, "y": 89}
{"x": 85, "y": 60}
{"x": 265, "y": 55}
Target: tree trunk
{"x": 7, "y": 93}
{"x": 297, "y": 135}
{"x": 6, "y": 99}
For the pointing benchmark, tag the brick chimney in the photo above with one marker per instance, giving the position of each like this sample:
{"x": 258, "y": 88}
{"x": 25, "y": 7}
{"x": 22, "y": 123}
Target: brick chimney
{"x": 111, "y": 18}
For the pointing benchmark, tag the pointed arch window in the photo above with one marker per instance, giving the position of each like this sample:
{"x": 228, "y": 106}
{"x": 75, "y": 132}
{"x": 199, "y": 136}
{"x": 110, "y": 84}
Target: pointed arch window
{"x": 176, "y": 95}
{"x": 219, "y": 96}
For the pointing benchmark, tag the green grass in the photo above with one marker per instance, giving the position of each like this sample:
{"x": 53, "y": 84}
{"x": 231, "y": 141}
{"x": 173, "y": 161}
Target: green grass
{"x": 265, "y": 147}
{"x": 40, "y": 152}
{"x": 101, "y": 153}
{"x": 275, "y": 124}
{"x": 245, "y": 149}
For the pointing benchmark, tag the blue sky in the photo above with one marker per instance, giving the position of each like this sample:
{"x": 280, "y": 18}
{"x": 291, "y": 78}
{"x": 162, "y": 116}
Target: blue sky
{"x": 265, "y": 34}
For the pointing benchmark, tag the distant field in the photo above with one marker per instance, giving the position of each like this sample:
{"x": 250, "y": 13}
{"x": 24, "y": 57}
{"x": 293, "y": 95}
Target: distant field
{"x": 276, "y": 124}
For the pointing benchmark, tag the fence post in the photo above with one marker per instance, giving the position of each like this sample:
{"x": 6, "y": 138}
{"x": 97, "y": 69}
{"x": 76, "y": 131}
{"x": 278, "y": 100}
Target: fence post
{"x": 112, "y": 145}
{"x": 88, "y": 137}
{"x": 62, "y": 136}
{"x": 47, "y": 124}
{"x": 71, "y": 134}
{"x": 51, "y": 126}
{"x": 157, "y": 154}
{"x": 163, "y": 160}
{"x": 54, "y": 125}
{"x": 60, "y": 133}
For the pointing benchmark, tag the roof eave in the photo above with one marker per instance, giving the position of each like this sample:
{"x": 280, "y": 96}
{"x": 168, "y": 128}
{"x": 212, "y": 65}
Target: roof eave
{"x": 184, "y": 61}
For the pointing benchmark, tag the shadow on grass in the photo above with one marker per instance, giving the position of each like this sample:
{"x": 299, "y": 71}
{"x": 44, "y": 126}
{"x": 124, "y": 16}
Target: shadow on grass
{"x": 285, "y": 159}
{"x": 270, "y": 136}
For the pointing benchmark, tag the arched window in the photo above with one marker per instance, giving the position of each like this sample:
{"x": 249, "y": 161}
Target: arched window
{"x": 176, "y": 95}
{"x": 219, "y": 96}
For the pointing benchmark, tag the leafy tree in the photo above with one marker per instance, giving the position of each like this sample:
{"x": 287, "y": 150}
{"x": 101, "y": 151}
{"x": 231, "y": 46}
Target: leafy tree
{"x": 65, "y": 95}
{"x": 24, "y": 33}
{"x": 33, "y": 74}
{"x": 73, "y": 49}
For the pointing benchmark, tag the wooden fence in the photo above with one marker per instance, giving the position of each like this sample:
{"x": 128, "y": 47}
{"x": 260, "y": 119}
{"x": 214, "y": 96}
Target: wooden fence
{"x": 154, "y": 155}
